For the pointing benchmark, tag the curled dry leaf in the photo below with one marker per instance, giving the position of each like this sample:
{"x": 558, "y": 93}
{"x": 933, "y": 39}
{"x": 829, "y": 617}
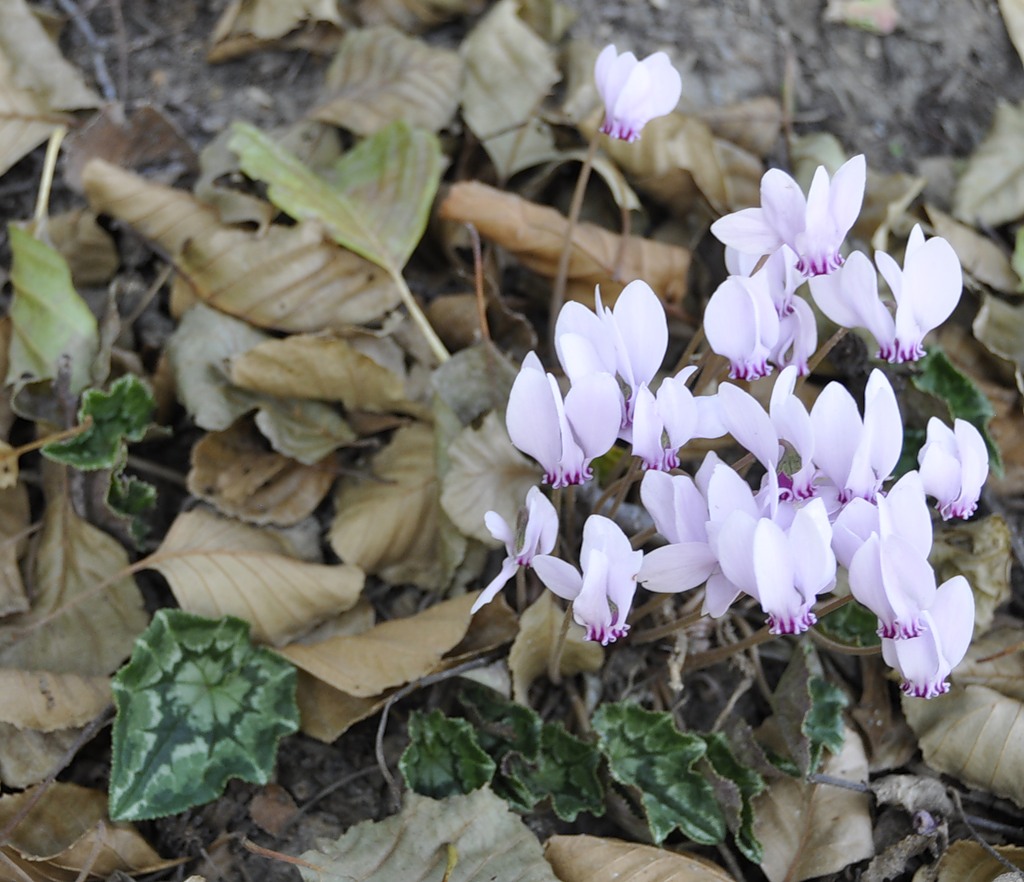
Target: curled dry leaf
{"x": 319, "y": 366}
{"x": 596, "y": 859}
{"x": 991, "y": 189}
{"x": 486, "y": 473}
{"x": 89, "y": 250}
{"x": 887, "y": 200}
{"x": 539, "y": 628}
{"x": 289, "y": 279}
{"x": 979, "y": 255}
{"x": 415, "y": 15}
{"x": 390, "y": 654}
{"x": 510, "y": 70}
{"x": 28, "y": 757}
{"x": 535, "y": 235}
{"x": 754, "y": 124}
{"x": 967, "y": 861}
{"x": 14, "y": 522}
{"x": 234, "y": 471}
{"x": 67, "y": 834}
{"x": 47, "y": 702}
{"x": 975, "y": 732}
{"x": 379, "y": 75}
{"x": 36, "y": 83}
{"x": 999, "y": 327}
{"x": 217, "y": 567}
{"x": 797, "y": 821}
{"x": 247, "y": 25}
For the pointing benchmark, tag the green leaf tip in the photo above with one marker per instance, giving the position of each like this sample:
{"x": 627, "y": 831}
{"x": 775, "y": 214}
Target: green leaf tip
{"x": 443, "y": 757}
{"x": 197, "y": 705}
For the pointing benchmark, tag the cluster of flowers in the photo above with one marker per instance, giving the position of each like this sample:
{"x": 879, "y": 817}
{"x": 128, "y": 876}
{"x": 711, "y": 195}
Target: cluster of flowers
{"x": 822, "y": 502}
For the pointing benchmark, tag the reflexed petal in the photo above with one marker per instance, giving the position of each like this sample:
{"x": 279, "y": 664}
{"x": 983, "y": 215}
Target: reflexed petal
{"x": 508, "y": 570}
{"x": 559, "y": 577}
{"x": 532, "y": 418}
{"x": 674, "y": 568}
{"x": 932, "y": 284}
{"x": 883, "y": 425}
{"x": 920, "y": 663}
{"x": 908, "y": 581}
{"x": 747, "y": 421}
{"x": 867, "y": 584}
{"x": 846, "y": 193}
{"x": 953, "y": 615}
{"x": 728, "y": 492}
{"x": 817, "y": 221}
{"x": 855, "y": 523}
{"x": 498, "y": 527}
{"x": 658, "y": 497}
{"x": 643, "y": 329}
{"x": 734, "y": 548}
{"x": 747, "y": 231}
{"x": 719, "y": 595}
{"x": 904, "y": 510}
{"x": 541, "y": 532}
{"x": 603, "y": 68}
{"x": 667, "y": 85}
{"x": 593, "y": 408}
{"x": 810, "y": 541}
{"x": 837, "y": 432}
{"x": 678, "y": 411}
{"x": 647, "y": 429}
{"x": 785, "y": 208}
{"x": 590, "y": 608}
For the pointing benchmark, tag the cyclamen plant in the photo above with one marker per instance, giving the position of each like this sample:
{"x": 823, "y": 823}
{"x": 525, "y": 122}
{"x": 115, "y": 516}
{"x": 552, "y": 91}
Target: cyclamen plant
{"x": 826, "y": 500}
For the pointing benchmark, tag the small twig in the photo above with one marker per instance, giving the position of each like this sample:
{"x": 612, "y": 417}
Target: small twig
{"x": 555, "y": 659}
{"x": 17, "y": 452}
{"x": 99, "y": 64}
{"x": 478, "y": 282}
{"x": 666, "y": 630}
{"x": 976, "y": 836}
{"x": 253, "y": 848}
{"x": 122, "y": 48}
{"x": 858, "y": 786}
{"x": 628, "y": 481}
{"x": 822, "y": 353}
{"x": 94, "y": 852}
{"x": 156, "y": 470}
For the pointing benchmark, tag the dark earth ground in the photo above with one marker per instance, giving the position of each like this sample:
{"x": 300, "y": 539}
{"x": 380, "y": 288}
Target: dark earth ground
{"x": 915, "y": 100}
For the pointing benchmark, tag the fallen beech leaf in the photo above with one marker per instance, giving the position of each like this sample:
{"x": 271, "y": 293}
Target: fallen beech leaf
{"x": 991, "y": 189}
{"x": 28, "y": 757}
{"x": 510, "y": 70}
{"x": 88, "y": 249}
{"x": 389, "y": 523}
{"x": 379, "y": 75}
{"x": 484, "y": 838}
{"x": 35, "y": 84}
{"x": 289, "y": 279}
{"x": 390, "y": 654}
{"x": 887, "y": 200}
{"x": 754, "y": 124}
{"x": 596, "y": 859}
{"x": 219, "y": 567}
{"x": 1013, "y": 18}
{"x": 966, "y": 861}
{"x": 14, "y": 521}
{"x": 535, "y": 235}
{"x": 797, "y": 821}
{"x": 978, "y": 254}
{"x": 416, "y": 15}
{"x": 975, "y": 732}
{"x": 319, "y": 366}
{"x": 999, "y": 327}
{"x": 47, "y": 702}
{"x": 248, "y": 25}
{"x": 86, "y": 610}
{"x": 234, "y": 471}
{"x": 67, "y": 833}
{"x": 741, "y": 174}
{"x": 486, "y": 473}
{"x": 539, "y": 627}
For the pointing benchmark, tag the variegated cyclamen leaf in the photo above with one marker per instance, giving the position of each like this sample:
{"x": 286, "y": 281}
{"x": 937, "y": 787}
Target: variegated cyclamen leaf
{"x": 197, "y": 704}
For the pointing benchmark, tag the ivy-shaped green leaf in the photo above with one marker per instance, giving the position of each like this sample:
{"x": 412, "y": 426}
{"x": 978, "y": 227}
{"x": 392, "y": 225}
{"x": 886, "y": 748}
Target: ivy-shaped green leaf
{"x": 823, "y": 725}
{"x": 565, "y": 772}
{"x": 121, "y": 415}
{"x": 197, "y": 704}
{"x": 938, "y": 376}
{"x": 852, "y": 624}
{"x": 746, "y": 784}
{"x": 130, "y": 498}
{"x": 645, "y": 750}
{"x": 502, "y": 726}
{"x": 443, "y": 757}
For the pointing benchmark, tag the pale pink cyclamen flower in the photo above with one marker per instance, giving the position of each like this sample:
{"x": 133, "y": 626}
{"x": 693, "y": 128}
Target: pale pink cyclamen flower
{"x": 629, "y": 340}
{"x": 780, "y": 270}
{"x": 814, "y": 227}
{"x": 798, "y": 337}
{"x": 954, "y": 466}
{"x": 602, "y": 595}
{"x": 927, "y": 660}
{"x": 742, "y": 324}
{"x": 634, "y": 92}
{"x": 563, "y": 436}
{"x": 926, "y": 291}
{"x": 535, "y": 532}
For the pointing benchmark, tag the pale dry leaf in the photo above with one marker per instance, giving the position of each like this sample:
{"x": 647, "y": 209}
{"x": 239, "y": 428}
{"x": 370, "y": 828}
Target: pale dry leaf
{"x": 741, "y": 172}
{"x": 67, "y": 833}
{"x": 999, "y": 327}
{"x": 967, "y": 861}
{"x": 486, "y": 838}
{"x": 36, "y": 84}
{"x": 509, "y": 71}
{"x": 326, "y": 713}
{"x": 388, "y": 523}
{"x": 539, "y": 629}
{"x": 1013, "y": 18}
{"x": 753, "y": 124}
{"x": 270, "y": 19}
{"x": 28, "y": 757}
{"x": 217, "y": 567}
{"x": 14, "y": 522}
{"x": 319, "y": 366}
{"x": 535, "y": 235}
{"x": 996, "y": 660}
{"x": 415, "y": 16}
{"x": 991, "y": 189}
{"x": 86, "y": 609}
{"x": 390, "y": 654}
{"x": 234, "y": 471}
{"x": 308, "y": 431}
{"x": 886, "y": 209}
{"x": 979, "y": 255}
{"x": 89, "y": 250}
{"x": 598, "y": 859}
{"x": 796, "y": 821}
{"x": 47, "y": 702}
{"x": 486, "y": 473}
{"x": 379, "y": 75}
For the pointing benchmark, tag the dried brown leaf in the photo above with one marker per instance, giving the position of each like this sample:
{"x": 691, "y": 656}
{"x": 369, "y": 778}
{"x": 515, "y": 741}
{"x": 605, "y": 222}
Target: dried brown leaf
{"x": 219, "y": 567}
{"x": 967, "y": 861}
{"x": 539, "y": 629}
{"x": 796, "y": 821}
{"x": 247, "y": 25}
{"x": 979, "y": 255}
{"x": 28, "y": 757}
{"x": 1013, "y": 18}
{"x": 14, "y": 521}
{"x": 89, "y": 250}
{"x": 319, "y": 366}
{"x": 754, "y": 124}
{"x": 36, "y": 83}
{"x": 596, "y": 859}
{"x": 47, "y": 702}
{"x": 390, "y": 654}
{"x": 535, "y": 235}
{"x": 416, "y": 15}
{"x": 991, "y": 189}
{"x": 234, "y": 471}
{"x": 67, "y": 833}
{"x": 999, "y": 327}
{"x": 996, "y": 660}
{"x": 379, "y": 75}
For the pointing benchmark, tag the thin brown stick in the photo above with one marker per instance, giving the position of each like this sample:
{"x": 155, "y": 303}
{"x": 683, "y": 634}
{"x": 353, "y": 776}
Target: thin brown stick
{"x": 478, "y": 282}
{"x": 555, "y": 659}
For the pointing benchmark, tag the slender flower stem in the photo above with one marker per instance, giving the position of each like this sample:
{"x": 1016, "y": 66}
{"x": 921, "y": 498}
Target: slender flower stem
{"x": 478, "y": 280}
{"x": 620, "y": 256}
{"x": 624, "y": 485}
{"x": 562, "y": 276}
{"x": 667, "y": 629}
{"x": 419, "y": 318}
{"x": 822, "y": 353}
{"x": 691, "y": 349}
{"x": 521, "y": 590}
{"x": 74, "y": 431}
{"x": 555, "y": 659}
{"x": 46, "y": 181}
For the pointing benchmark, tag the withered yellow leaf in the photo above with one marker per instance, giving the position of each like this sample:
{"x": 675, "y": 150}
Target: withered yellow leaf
{"x": 217, "y": 567}
{"x": 380, "y": 75}
{"x": 539, "y": 628}
{"x": 46, "y": 702}
{"x": 234, "y": 471}
{"x": 597, "y": 859}
{"x": 967, "y": 861}
{"x": 535, "y": 235}
{"x": 390, "y": 654}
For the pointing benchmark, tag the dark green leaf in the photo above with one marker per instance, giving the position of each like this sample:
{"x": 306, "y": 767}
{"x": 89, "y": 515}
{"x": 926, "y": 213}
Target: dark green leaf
{"x": 443, "y": 757}
{"x": 823, "y": 724}
{"x": 566, "y": 772}
{"x": 645, "y": 750}
{"x": 130, "y": 498}
{"x": 197, "y": 704}
{"x": 938, "y": 376}
{"x": 746, "y": 784}
{"x": 851, "y": 624}
{"x": 501, "y": 725}
{"x": 121, "y": 415}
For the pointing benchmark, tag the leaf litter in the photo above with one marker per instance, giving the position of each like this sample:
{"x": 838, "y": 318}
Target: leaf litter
{"x": 285, "y": 336}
